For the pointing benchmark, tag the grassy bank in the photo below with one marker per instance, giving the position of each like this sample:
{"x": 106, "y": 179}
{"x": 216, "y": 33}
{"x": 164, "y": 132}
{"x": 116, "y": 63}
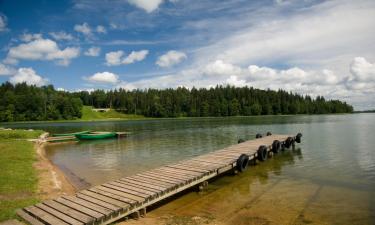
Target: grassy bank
{"x": 88, "y": 114}
{"x": 18, "y": 178}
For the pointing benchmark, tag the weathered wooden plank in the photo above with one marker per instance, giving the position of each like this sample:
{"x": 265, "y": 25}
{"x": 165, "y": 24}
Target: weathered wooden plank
{"x": 70, "y": 212}
{"x": 126, "y": 189}
{"x": 99, "y": 202}
{"x": 142, "y": 184}
{"x": 181, "y": 171}
{"x": 164, "y": 179}
{"x": 129, "y": 201}
{"x": 161, "y": 178}
{"x": 89, "y": 205}
{"x": 80, "y": 208}
{"x": 187, "y": 168}
{"x": 58, "y": 214}
{"x": 193, "y": 167}
{"x": 44, "y": 216}
{"x": 146, "y": 192}
{"x": 25, "y": 216}
{"x": 174, "y": 175}
{"x": 148, "y": 181}
{"x": 168, "y": 176}
{"x": 132, "y": 197}
{"x": 109, "y": 200}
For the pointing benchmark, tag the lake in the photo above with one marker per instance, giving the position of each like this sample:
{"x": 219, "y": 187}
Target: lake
{"x": 328, "y": 179}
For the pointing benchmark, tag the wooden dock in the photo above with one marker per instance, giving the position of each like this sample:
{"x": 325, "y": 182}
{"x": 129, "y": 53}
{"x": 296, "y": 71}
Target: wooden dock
{"x": 114, "y": 200}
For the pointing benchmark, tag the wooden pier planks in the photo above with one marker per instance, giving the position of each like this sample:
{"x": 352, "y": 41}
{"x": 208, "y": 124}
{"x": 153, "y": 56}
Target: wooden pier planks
{"x": 113, "y": 200}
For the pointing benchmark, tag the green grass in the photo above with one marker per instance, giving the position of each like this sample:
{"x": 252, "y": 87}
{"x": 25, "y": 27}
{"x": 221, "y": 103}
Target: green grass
{"x": 89, "y": 114}
{"x": 18, "y": 178}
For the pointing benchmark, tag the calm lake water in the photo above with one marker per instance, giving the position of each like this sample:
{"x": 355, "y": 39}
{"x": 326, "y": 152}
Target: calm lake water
{"x": 328, "y": 179}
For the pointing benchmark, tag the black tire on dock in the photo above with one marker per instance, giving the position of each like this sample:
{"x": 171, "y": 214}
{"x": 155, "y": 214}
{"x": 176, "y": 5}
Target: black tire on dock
{"x": 269, "y": 133}
{"x": 262, "y": 153}
{"x": 276, "y": 145}
{"x": 288, "y": 142}
{"x": 242, "y": 162}
{"x": 298, "y": 138}
{"x": 258, "y": 136}
{"x": 240, "y": 140}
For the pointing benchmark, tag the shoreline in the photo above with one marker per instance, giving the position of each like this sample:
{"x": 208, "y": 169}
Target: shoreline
{"x": 52, "y": 182}
{"x": 162, "y": 118}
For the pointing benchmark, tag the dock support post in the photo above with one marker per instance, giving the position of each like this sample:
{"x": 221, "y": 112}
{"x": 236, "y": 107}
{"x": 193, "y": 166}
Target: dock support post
{"x": 202, "y": 185}
{"x": 143, "y": 212}
{"x": 135, "y": 215}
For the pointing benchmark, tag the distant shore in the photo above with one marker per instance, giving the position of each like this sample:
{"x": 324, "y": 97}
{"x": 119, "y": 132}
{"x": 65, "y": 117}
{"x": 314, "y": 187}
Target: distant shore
{"x": 163, "y": 118}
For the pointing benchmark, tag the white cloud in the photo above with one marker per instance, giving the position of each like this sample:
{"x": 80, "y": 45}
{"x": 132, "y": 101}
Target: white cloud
{"x": 61, "y": 35}
{"x": 30, "y": 37}
{"x": 113, "y": 58}
{"x": 93, "y": 51}
{"x": 41, "y": 49}
{"x": 171, "y": 58}
{"x": 3, "y": 23}
{"x": 135, "y": 56}
{"x": 29, "y": 76}
{"x": 362, "y": 70}
{"x": 355, "y": 88}
{"x": 83, "y": 28}
{"x": 101, "y": 29}
{"x": 6, "y": 70}
{"x": 147, "y": 5}
{"x": 221, "y": 68}
{"x": 116, "y": 58}
{"x": 104, "y": 78}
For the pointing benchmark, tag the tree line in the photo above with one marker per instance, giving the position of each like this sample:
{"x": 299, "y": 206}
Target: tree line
{"x": 21, "y": 102}
{"x": 217, "y": 101}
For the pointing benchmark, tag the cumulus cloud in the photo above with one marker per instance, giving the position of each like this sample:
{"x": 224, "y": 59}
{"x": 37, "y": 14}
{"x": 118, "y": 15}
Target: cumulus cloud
{"x": 116, "y": 58}
{"x": 3, "y": 23}
{"x": 103, "y": 78}
{"x": 113, "y": 58}
{"x": 362, "y": 70}
{"x": 30, "y": 37}
{"x": 83, "y": 28}
{"x": 221, "y": 68}
{"x": 101, "y": 29}
{"x": 29, "y": 76}
{"x": 41, "y": 49}
{"x": 147, "y": 5}
{"x": 171, "y": 58}
{"x": 87, "y": 31}
{"x": 93, "y": 51}
{"x": 61, "y": 35}
{"x": 135, "y": 56}
{"x": 6, "y": 70}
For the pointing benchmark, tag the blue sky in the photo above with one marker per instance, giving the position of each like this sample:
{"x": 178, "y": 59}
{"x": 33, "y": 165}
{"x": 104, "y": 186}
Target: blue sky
{"x": 310, "y": 47}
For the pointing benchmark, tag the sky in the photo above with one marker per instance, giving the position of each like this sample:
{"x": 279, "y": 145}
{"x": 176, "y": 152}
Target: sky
{"x": 304, "y": 46}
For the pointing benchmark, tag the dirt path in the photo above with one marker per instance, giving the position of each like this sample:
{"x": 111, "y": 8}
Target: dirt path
{"x": 52, "y": 181}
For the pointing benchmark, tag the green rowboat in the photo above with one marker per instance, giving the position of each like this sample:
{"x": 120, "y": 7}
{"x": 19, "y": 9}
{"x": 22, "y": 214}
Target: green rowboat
{"x": 96, "y": 135}
{"x": 70, "y": 134}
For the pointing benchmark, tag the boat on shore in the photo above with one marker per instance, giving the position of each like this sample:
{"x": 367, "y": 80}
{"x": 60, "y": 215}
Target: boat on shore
{"x": 96, "y": 135}
{"x": 60, "y": 139}
{"x": 70, "y": 134}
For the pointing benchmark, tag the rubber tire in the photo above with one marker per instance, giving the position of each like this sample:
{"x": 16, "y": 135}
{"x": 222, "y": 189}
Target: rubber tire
{"x": 262, "y": 153}
{"x": 240, "y": 140}
{"x": 242, "y": 162}
{"x": 258, "y": 136}
{"x": 276, "y": 146}
{"x": 288, "y": 142}
{"x": 269, "y": 133}
{"x": 298, "y": 138}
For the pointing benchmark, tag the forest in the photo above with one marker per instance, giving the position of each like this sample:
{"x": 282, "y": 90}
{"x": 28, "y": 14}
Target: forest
{"x": 21, "y": 102}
